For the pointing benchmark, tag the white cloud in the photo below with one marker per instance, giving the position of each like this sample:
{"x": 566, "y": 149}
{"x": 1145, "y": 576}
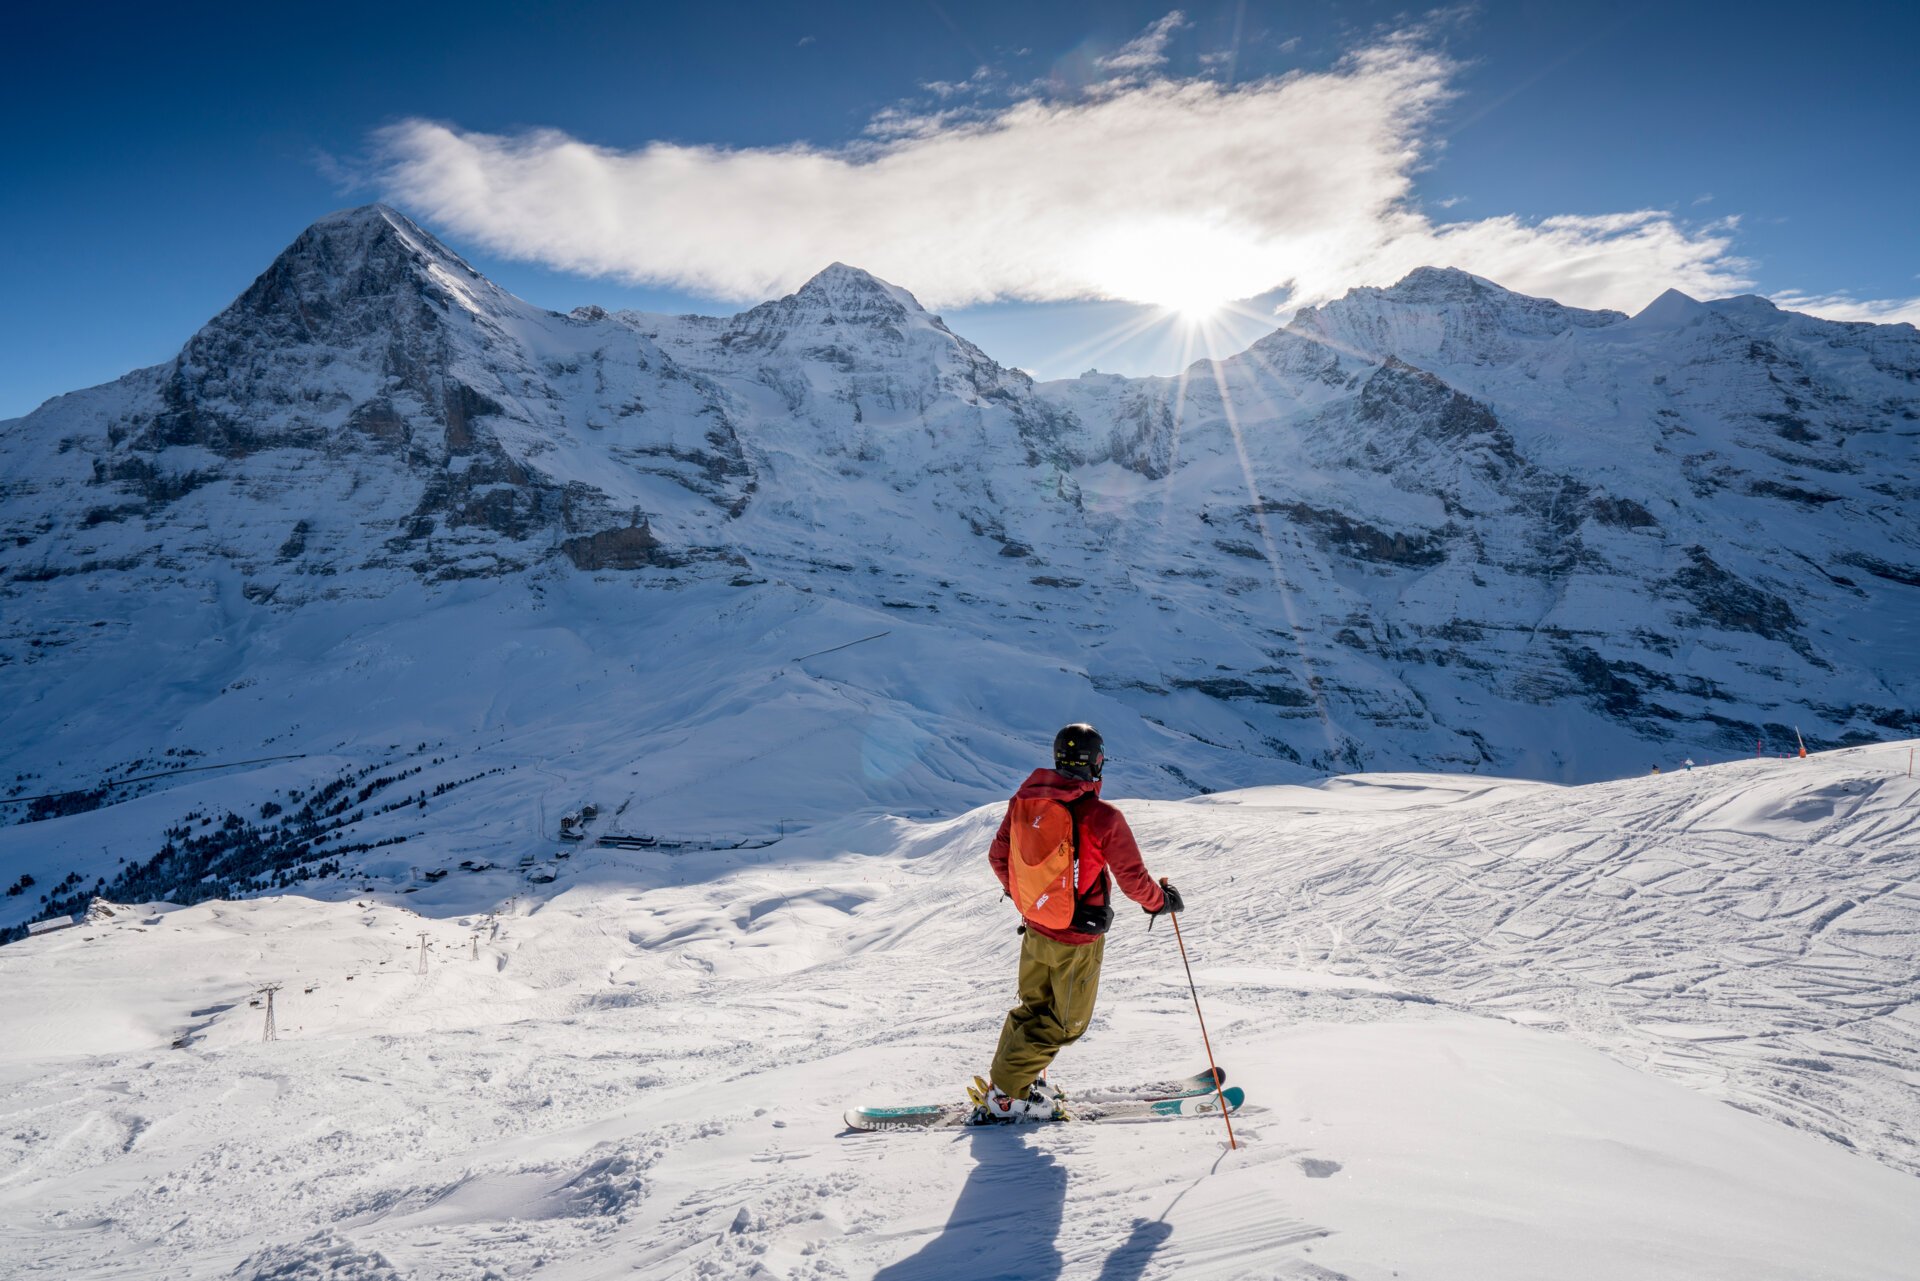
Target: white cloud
{"x": 906, "y": 122}
{"x": 1880, "y": 311}
{"x": 1146, "y": 50}
{"x": 981, "y": 79}
{"x": 1149, "y": 188}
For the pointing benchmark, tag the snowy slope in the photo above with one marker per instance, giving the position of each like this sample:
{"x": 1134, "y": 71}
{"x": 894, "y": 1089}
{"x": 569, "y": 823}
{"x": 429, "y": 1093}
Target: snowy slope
{"x": 1489, "y": 1029}
{"x": 724, "y": 576}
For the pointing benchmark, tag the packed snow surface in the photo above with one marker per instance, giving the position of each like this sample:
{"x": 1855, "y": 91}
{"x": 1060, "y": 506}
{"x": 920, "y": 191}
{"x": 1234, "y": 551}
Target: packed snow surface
{"x": 1487, "y": 1029}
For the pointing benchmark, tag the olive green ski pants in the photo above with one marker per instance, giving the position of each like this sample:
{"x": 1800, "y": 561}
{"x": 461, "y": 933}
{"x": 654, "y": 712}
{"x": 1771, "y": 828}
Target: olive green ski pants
{"x": 1058, "y": 983}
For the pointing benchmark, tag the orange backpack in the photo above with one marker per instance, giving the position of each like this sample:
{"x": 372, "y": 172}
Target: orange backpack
{"x": 1045, "y": 867}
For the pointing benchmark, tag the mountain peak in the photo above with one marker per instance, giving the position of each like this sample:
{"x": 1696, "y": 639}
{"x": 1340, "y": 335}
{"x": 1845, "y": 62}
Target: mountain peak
{"x": 348, "y": 259}
{"x": 840, "y": 271}
{"x": 841, "y": 286}
{"x": 1441, "y": 314}
{"x": 348, "y": 238}
{"x": 1442, "y": 284}
{"x": 1450, "y": 287}
{"x": 1670, "y": 308}
{"x": 364, "y": 215}
{"x": 838, "y": 299}
{"x": 1747, "y": 307}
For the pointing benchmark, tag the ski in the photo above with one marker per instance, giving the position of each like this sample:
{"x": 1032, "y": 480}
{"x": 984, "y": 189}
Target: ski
{"x": 934, "y": 1116}
{"x": 1202, "y": 1082}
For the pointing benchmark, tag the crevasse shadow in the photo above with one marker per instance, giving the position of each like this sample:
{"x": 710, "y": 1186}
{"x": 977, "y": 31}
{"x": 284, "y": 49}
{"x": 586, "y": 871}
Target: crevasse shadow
{"x": 1005, "y": 1226}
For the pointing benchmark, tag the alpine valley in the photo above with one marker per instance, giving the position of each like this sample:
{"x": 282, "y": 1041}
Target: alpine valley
{"x": 438, "y": 565}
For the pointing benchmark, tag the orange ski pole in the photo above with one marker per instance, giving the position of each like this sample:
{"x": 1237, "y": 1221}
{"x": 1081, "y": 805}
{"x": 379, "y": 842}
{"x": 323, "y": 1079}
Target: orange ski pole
{"x": 1232, "y": 1143}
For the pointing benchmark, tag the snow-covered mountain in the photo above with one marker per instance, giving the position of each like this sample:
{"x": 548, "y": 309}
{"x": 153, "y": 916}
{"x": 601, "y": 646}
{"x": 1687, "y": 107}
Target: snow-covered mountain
{"x": 383, "y": 517}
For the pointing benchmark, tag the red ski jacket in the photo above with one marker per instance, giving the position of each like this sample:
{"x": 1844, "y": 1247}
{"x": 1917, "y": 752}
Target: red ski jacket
{"x": 1103, "y": 839}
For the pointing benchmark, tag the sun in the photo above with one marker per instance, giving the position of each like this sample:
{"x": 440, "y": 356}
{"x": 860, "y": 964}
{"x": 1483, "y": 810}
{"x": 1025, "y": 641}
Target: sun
{"x": 1191, "y": 270}
{"x": 1195, "y": 311}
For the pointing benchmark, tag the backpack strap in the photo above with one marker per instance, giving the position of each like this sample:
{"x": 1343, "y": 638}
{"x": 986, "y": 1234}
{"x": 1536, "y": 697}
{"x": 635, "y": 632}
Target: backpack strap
{"x": 1073, "y": 821}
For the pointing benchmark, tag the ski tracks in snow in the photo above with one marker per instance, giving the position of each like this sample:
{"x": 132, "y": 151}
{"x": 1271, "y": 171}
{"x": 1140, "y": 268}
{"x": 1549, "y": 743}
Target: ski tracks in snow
{"x": 1748, "y": 930}
{"x": 641, "y": 1075}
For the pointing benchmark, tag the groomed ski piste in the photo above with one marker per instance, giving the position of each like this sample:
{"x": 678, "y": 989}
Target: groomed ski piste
{"x": 1664, "y": 1027}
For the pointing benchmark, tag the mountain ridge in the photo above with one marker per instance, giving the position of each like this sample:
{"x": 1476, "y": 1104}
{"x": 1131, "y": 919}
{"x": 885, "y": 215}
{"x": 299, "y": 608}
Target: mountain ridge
{"x": 1436, "y": 525}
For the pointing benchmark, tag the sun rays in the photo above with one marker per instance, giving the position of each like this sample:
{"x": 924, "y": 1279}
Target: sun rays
{"x": 1213, "y": 358}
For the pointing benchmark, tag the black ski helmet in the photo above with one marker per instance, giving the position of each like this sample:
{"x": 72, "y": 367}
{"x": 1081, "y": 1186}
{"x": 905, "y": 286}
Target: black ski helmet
{"x": 1079, "y": 752}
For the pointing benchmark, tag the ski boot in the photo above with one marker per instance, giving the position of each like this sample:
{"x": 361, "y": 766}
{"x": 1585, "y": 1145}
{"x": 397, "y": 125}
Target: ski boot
{"x": 993, "y": 1107}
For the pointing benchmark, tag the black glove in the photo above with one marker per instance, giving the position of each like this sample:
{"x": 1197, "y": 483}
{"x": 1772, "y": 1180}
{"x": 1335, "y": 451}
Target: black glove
{"x": 1172, "y": 903}
{"x": 1091, "y": 918}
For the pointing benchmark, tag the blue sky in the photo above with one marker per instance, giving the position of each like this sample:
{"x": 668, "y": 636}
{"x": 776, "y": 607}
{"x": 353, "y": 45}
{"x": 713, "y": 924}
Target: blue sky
{"x": 1050, "y": 177}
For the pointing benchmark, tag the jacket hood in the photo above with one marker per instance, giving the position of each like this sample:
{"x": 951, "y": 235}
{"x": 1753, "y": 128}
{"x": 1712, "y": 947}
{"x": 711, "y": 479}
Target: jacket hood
{"x": 1055, "y": 786}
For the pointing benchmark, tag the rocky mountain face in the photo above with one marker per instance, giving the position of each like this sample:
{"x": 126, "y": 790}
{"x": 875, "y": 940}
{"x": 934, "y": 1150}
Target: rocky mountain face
{"x": 1695, "y": 522}
{"x": 1439, "y": 524}
{"x": 370, "y": 403}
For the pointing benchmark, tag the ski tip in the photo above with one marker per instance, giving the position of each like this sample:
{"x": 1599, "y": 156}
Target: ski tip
{"x": 917, "y": 1117}
{"x": 1203, "y": 1104}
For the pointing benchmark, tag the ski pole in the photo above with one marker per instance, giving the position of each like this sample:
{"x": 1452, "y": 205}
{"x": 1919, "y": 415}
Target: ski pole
{"x": 1233, "y": 1144}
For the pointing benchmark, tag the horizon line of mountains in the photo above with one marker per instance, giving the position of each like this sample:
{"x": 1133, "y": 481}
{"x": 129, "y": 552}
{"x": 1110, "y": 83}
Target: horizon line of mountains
{"x": 1438, "y": 524}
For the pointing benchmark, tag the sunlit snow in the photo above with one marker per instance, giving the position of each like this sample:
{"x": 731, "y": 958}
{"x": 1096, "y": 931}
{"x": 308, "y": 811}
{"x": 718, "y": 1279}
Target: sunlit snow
{"x": 1487, "y": 1028}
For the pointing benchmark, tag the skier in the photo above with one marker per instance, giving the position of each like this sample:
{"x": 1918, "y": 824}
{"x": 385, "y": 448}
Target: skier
{"x": 1051, "y": 854}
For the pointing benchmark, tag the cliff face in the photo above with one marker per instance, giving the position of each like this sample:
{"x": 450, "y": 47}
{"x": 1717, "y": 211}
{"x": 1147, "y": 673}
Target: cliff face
{"x": 1439, "y": 524}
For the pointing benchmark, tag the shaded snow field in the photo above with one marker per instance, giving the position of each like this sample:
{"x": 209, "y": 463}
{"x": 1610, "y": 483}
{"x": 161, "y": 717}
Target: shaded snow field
{"x": 1487, "y": 1029}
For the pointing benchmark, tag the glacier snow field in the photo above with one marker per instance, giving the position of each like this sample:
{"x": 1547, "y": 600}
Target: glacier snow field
{"x": 1659, "y": 1027}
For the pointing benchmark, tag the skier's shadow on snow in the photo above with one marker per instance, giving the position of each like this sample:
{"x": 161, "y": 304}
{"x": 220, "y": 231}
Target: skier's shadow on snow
{"x": 1006, "y": 1224}
{"x": 1131, "y": 1259}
